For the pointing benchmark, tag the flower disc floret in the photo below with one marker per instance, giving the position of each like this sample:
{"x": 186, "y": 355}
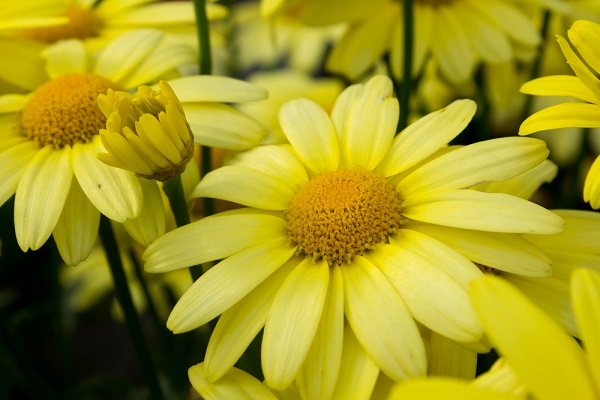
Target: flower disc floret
{"x": 340, "y": 214}
{"x": 64, "y": 111}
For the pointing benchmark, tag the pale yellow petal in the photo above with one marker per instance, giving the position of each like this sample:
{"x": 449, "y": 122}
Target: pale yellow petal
{"x": 382, "y": 323}
{"x": 508, "y": 252}
{"x": 222, "y": 126}
{"x": 491, "y": 212}
{"x": 26, "y": 68}
{"x": 358, "y": 372}
{"x": 41, "y": 195}
{"x": 238, "y": 326}
{"x": 447, "y": 358}
{"x": 451, "y": 47}
{"x": 226, "y": 283}
{"x": 116, "y": 193}
{"x": 65, "y": 57}
{"x": 490, "y": 160}
{"x": 585, "y": 36}
{"x": 559, "y": 85}
{"x": 425, "y": 136}
{"x": 318, "y": 376}
{"x": 591, "y": 188}
{"x": 548, "y": 361}
{"x": 77, "y": 228}
{"x": 150, "y": 224}
{"x": 208, "y": 88}
{"x": 565, "y": 115}
{"x": 585, "y": 292}
{"x": 449, "y": 312}
{"x": 292, "y": 322}
{"x": 446, "y": 388}
{"x": 236, "y": 384}
{"x": 246, "y": 186}
{"x": 13, "y": 162}
{"x": 582, "y": 71}
{"x": 159, "y": 15}
{"x": 310, "y": 131}
{"x": 13, "y": 103}
{"x": 212, "y": 238}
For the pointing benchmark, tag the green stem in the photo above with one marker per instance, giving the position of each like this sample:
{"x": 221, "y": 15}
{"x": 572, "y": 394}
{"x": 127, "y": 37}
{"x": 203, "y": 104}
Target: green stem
{"x": 131, "y": 318}
{"x": 408, "y": 58}
{"x": 173, "y": 188}
{"x": 205, "y": 58}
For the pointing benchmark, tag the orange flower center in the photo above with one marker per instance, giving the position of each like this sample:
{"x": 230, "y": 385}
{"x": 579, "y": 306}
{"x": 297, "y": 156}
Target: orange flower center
{"x": 340, "y": 214}
{"x": 64, "y": 110}
{"x": 83, "y": 24}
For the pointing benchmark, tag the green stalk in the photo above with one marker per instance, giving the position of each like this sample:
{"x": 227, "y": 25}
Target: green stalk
{"x": 131, "y": 318}
{"x": 205, "y": 68}
{"x": 173, "y": 188}
{"x": 408, "y": 58}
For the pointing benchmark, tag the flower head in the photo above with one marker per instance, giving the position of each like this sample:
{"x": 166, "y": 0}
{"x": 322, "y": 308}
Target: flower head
{"x": 585, "y": 87}
{"x": 146, "y": 132}
{"x": 333, "y": 232}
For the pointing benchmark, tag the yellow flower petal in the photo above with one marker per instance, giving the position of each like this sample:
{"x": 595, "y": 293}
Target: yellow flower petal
{"x": 116, "y": 193}
{"x": 318, "y": 376}
{"x": 246, "y": 186}
{"x": 310, "y": 131}
{"x": 559, "y": 85}
{"x": 77, "y": 228}
{"x": 292, "y": 322}
{"x": 565, "y": 115}
{"x": 12, "y": 103}
{"x": 41, "y": 195}
{"x": 222, "y": 286}
{"x": 381, "y": 321}
{"x": 448, "y": 389}
{"x": 585, "y": 292}
{"x": 25, "y": 68}
{"x": 581, "y": 70}
{"x": 13, "y": 162}
{"x": 585, "y": 36}
{"x": 207, "y": 88}
{"x": 491, "y": 212}
{"x": 238, "y": 326}
{"x": 491, "y": 160}
{"x": 451, "y": 46}
{"x": 358, "y": 372}
{"x": 212, "y": 238}
{"x": 591, "y": 188}
{"x": 236, "y": 384}
{"x": 65, "y": 57}
{"x": 548, "y": 361}
{"x": 425, "y": 136}
{"x": 150, "y": 224}
{"x": 447, "y": 358}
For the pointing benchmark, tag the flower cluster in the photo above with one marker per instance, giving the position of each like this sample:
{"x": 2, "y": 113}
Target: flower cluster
{"x": 301, "y": 199}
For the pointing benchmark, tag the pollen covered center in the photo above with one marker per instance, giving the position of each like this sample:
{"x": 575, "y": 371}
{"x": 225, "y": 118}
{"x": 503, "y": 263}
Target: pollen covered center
{"x": 340, "y": 214}
{"x": 83, "y": 24}
{"x": 65, "y": 110}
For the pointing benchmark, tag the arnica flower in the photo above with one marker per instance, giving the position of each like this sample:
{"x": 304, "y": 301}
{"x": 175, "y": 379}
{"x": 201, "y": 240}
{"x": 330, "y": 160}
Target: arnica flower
{"x": 585, "y": 87}
{"x": 329, "y": 233}
{"x": 147, "y": 132}
{"x": 548, "y": 362}
{"x": 49, "y": 139}
{"x": 458, "y": 34}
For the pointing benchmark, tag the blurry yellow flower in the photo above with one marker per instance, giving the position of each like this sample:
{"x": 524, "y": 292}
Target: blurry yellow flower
{"x": 549, "y": 363}
{"x": 458, "y": 34}
{"x": 147, "y": 132}
{"x": 24, "y": 14}
{"x": 333, "y": 231}
{"x": 585, "y": 86}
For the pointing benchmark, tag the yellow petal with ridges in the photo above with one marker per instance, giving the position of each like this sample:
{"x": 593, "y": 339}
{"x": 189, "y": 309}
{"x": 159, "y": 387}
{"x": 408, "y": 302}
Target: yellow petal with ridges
{"x": 491, "y": 212}
{"x": 579, "y": 67}
{"x": 212, "y": 238}
{"x": 13, "y": 162}
{"x": 246, "y": 186}
{"x": 381, "y": 321}
{"x": 451, "y": 47}
{"x": 208, "y": 88}
{"x": 447, "y": 358}
{"x": 150, "y": 224}
{"x": 490, "y": 160}
{"x": 226, "y": 283}
{"x": 585, "y": 292}
{"x": 446, "y": 388}
{"x": 150, "y": 130}
{"x": 77, "y": 228}
{"x": 565, "y": 115}
{"x": 585, "y": 36}
{"x": 549, "y": 362}
{"x": 238, "y": 326}
{"x": 292, "y": 322}
{"x": 425, "y": 136}
{"x": 559, "y": 85}
{"x": 41, "y": 195}
{"x": 310, "y": 131}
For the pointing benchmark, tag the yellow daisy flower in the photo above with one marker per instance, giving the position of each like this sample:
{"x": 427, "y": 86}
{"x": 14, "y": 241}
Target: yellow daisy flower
{"x": 330, "y": 232}
{"x": 49, "y": 139}
{"x": 584, "y": 87}
{"x": 549, "y": 363}
{"x": 459, "y": 34}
